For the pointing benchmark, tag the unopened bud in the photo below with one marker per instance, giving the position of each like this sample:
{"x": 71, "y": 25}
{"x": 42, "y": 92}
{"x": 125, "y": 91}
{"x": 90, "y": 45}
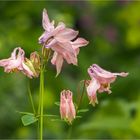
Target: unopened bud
{"x": 67, "y": 108}
{"x": 35, "y": 60}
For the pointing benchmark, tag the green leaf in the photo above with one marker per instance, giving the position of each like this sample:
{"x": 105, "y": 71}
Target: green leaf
{"x": 57, "y": 103}
{"x": 28, "y": 119}
{"x": 82, "y": 110}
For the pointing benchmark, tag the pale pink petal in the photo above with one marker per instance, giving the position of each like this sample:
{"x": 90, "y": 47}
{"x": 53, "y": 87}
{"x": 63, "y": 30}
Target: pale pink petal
{"x": 45, "y": 37}
{"x": 66, "y": 34}
{"x": 4, "y": 62}
{"x": 79, "y": 42}
{"x": 62, "y": 47}
{"x": 70, "y": 58}
{"x": 52, "y": 44}
{"x": 47, "y": 25}
{"x": 63, "y": 106}
{"x": 91, "y": 91}
{"x": 58, "y": 61}
{"x": 122, "y": 74}
{"x": 67, "y": 47}
{"x": 59, "y": 27}
{"x": 102, "y": 75}
{"x": 54, "y": 58}
{"x": 13, "y": 54}
{"x": 72, "y": 111}
{"x": 72, "y": 107}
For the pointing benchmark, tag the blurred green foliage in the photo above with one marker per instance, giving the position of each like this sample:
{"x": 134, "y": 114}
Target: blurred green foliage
{"x": 113, "y": 30}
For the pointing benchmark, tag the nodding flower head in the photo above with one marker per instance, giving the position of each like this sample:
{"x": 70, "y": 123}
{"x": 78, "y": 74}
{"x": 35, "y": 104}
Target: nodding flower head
{"x": 62, "y": 41}
{"x": 18, "y": 62}
{"x": 67, "y": 108}
{"x": 100, "y": 81}
{"x": 13, "y": 63}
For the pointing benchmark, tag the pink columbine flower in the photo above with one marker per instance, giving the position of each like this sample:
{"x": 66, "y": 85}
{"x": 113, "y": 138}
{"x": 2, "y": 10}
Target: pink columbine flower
{"x": 100, "y": 82}
{"x": 14, "y": 63}
{"x": 67, "y": 109}
{"x": 60, "y": 40}
{"x": 17, "y": 62}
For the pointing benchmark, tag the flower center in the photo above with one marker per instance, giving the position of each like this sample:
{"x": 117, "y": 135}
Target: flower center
{"x": 105, "y": 85}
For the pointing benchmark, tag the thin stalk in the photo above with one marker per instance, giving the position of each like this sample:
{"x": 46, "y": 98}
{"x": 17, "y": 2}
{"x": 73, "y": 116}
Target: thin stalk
{"x": 39, "y": 106}
{"x": 31, "y": 98}
{"x": 40, "y": 91}
{"x": 69, "y": 132}
{"x": 44, "y": 59}
{"x": 41, "y": 103}
{"x": 81, "y": 97}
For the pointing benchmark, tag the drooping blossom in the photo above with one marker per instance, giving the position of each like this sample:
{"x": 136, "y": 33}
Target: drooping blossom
{"x": 100, "y": 82}
{"x": 67, "y": 108}
{"x": 18, "y": 62}
{"x": 61, "y": 40}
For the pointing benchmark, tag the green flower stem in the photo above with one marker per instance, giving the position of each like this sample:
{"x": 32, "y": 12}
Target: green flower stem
{"x": 41, "y": 102}
{"x": 82, "y": 94}
{"x": 44, "y": 59}
{"x": 69, "y": 132}
{"x": 31, "y": 99}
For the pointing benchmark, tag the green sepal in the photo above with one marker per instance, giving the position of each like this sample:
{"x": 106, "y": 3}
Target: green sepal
{"x": 28, "y": 119}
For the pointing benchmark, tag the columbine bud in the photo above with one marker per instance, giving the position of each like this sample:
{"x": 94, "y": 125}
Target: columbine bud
{"x": 67, "y": 109}
{"x": 35, "y": 60}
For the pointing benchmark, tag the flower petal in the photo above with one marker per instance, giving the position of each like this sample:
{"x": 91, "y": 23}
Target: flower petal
{"x": 62, "y": 47}
{"x": 79, "y": 42}
{"x": 58, "y": 28}
{"x": 4, "y": 62}
{"x": 47, "y": 25}
{"x": 91, "y": 91}
{"x": 44, "y": 37}
{"x": 122, "y": 74}
{"x": 100, "y": 74}
{"x": 66, "y": 34}
{"x": 71, "y": 59}
{"x": 58, "y": 61}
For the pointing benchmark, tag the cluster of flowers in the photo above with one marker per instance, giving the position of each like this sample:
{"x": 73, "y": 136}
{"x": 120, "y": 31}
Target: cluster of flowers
{"x": 64, "y": 44}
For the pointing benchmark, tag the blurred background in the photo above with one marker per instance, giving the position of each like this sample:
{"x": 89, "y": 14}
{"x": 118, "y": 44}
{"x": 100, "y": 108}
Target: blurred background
{"x": 113, "y": 30}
